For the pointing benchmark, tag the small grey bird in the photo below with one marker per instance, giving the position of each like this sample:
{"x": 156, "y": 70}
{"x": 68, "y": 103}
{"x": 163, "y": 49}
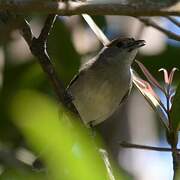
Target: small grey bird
{"x": 104, "y": 81}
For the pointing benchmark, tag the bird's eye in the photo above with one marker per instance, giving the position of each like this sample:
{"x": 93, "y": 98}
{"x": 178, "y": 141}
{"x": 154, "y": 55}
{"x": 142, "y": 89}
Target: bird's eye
{"x": 119, "y": 44}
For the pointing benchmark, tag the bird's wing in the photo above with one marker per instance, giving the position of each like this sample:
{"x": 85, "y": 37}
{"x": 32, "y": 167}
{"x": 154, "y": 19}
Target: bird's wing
{"x": 126, "y": 95}
{"x": 81, "y": 72}
{"x": 86, "y": 66}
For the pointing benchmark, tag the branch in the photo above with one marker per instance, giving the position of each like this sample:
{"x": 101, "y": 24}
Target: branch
{"x": 38, "y": 49}
{"x": 26, "y": 32}
{"x": 173, "y": 20}
{"x": 172, "y": 139}
{"x": 143, "y": 147}
{"x": 48, "y": 25}
{"x": 170, "y": 34}
{"x": 173, "y": 149}
{"x": 134, "y": 8}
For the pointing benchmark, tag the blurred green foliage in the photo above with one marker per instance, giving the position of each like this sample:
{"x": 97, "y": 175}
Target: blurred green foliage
{"x": 16, "y": 77}
{"x": 68, "y": 149}
{"x": 12, "y": 174}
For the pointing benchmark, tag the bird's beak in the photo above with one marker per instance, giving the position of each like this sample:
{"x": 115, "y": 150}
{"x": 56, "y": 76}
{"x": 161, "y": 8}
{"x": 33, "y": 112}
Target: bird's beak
{"x": 138, "y": 44}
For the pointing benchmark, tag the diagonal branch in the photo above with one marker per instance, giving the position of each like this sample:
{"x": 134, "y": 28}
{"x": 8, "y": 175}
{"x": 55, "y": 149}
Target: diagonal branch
{"x": 38, "y": 49}
{"x": 168, "y": 33}
{"x": 47, "y": 27}
{"x": 26, "y": 32}
{"x": 173, "y": 20}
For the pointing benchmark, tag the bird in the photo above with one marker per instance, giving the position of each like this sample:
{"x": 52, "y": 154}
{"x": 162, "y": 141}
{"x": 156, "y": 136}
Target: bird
{"x": 105, "y": 81}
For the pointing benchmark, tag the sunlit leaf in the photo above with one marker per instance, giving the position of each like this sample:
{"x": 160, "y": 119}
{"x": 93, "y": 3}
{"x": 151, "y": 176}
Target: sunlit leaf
{"x": 171, "y": 75}
{"x": 166, "y": 77}
{"x": 149, "y": 76}
{"x": 151, "y": 97}
{"x": 16, "y": 77}
{"x": 175, "y": 110}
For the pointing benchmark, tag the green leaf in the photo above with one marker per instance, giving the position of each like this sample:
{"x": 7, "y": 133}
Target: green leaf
{"x": 68, "y": 149}
{"x": 175, "y": 111}
{"x": 15, "y": 77}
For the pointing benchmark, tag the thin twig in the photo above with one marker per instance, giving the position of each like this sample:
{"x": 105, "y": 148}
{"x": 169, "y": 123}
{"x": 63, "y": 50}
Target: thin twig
{"x": 47, "y": 27}
{"x": 170, "y": 34}
{"x": 173, "y": 20}
{"x": 26, "y": 32}
{"x": 38, "y": 49}
{"x": 143, "y": 147}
